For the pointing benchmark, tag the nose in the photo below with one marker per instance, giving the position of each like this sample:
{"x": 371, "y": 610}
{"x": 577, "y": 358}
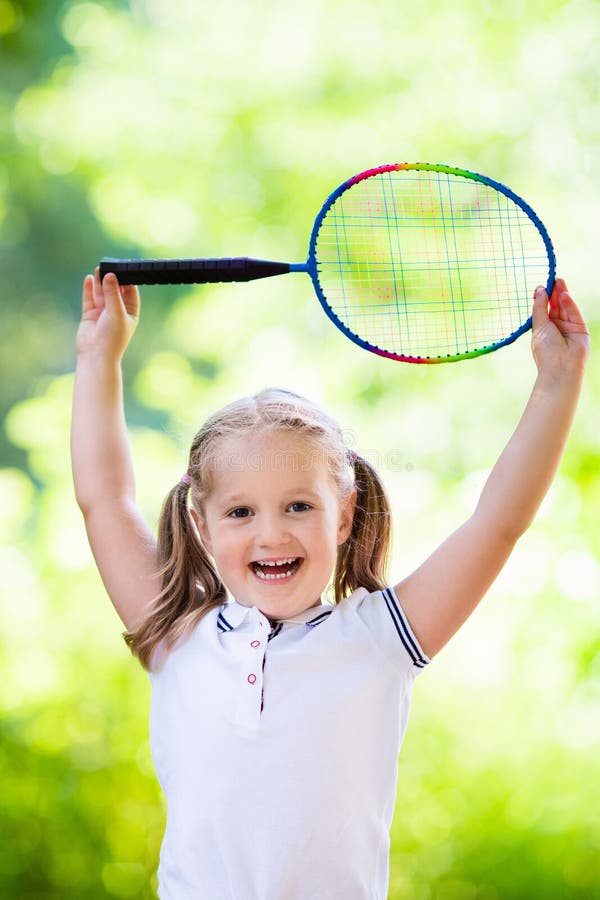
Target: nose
{"x": 272, "y": 530}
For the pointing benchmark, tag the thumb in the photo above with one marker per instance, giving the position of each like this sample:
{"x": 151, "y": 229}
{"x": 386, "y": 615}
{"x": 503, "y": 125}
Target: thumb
{"x": 539, "y": 313}
{"x": 112, "y": 294}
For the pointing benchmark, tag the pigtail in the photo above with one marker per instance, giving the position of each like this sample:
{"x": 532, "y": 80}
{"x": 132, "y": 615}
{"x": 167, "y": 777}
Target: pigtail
{"x": 190, "y": 585}
{"x": 362, "y": 560}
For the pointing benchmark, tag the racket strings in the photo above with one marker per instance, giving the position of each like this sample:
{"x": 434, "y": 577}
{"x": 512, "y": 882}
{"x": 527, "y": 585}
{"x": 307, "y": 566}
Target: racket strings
{"x": 427, "y": 263}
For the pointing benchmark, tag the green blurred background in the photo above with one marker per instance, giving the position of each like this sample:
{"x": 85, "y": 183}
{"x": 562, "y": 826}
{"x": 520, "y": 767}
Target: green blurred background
{"x": 174, "y": 127}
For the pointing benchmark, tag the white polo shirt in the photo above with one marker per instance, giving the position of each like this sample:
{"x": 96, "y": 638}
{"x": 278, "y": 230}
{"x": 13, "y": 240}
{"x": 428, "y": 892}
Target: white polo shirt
{"x": 277, "y": 751}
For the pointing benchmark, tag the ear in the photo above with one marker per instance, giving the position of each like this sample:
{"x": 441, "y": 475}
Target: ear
{"x": 347, "y": 518}
{"x": 202, "y": 529}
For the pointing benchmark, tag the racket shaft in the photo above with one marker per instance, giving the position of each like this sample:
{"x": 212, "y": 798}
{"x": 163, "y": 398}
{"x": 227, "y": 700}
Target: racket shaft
{"x": 190, "y": 271}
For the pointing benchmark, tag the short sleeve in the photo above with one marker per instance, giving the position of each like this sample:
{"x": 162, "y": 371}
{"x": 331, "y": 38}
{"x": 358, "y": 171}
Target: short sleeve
{"x": 383, "y": 615}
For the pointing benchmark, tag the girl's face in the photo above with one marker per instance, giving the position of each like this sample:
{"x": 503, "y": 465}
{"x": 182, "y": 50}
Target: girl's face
{"x": 273, "y": 500}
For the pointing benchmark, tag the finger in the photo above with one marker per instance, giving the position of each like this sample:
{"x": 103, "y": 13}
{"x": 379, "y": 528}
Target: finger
{"x": 131, "y": 299}
{"x": 558, "y": 288}
{"x": 569, "y": 311}
{"x": 98, "y": 292}
{"x": 87, "y": 294}
{"x": 539, "y": 315}
{"x": 561, "y": 285}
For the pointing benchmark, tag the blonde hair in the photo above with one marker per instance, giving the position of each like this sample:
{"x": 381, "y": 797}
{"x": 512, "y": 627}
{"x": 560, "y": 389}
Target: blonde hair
{"x": 190, "y": 584}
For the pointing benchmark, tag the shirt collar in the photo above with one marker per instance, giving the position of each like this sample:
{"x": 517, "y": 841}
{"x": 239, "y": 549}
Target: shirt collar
{"x": 235, "y": 613}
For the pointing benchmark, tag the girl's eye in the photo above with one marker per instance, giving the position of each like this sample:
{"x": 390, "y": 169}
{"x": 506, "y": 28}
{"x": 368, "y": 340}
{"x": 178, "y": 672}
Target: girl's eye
{"x": 299, "y": 503}
{"x": 239, "y": 509}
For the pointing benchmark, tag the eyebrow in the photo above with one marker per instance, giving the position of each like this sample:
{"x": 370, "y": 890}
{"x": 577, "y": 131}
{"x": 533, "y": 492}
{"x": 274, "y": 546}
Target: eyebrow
{"x": 240, "y": 498}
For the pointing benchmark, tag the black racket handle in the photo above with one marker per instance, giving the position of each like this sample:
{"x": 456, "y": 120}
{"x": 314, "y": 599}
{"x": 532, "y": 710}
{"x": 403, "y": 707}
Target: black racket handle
{"x": 190, "y": 271}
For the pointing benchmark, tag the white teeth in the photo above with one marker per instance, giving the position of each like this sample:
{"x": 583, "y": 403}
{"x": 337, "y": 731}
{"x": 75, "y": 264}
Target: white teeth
{"x": 280, "y": 562}
{"x": 273, "y": 577}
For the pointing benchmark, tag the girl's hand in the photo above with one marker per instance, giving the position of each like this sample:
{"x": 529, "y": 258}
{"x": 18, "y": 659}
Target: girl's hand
{"x": 560, "y": 341}
{"x": 109, "y": 316}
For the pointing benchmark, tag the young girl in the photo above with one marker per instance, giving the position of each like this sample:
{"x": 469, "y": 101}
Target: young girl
{"x": 277, "y": 718}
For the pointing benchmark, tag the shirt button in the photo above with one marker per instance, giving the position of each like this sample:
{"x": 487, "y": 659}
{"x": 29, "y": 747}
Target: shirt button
{"x": 251, "y": 679}
{"x": 255, "y": 643}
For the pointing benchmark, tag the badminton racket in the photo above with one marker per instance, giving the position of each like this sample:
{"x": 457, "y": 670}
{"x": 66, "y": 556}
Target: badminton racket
{"x": 417, "y": 262}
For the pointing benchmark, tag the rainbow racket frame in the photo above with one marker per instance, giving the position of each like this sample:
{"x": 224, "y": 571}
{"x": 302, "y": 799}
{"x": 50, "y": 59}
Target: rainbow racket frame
{"x": 312, "y": 265}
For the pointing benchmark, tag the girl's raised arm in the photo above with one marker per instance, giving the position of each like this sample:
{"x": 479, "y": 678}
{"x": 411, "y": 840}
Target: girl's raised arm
{"x": 440, "y": 595}
{"x": 122, "y": 542}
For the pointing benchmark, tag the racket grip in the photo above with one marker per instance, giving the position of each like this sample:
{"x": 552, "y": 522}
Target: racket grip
{"x": 190, "y": 271}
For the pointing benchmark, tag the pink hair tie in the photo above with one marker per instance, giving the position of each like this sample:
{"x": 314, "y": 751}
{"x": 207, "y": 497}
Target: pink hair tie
{"x": 186, "y": 479}
{"x": 352, "y": 457}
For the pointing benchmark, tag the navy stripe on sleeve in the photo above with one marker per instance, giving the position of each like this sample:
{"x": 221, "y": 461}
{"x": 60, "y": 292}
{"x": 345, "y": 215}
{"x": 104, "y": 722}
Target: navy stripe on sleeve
{"x": 403, "y": 629}
{"x": 223, "y": 624}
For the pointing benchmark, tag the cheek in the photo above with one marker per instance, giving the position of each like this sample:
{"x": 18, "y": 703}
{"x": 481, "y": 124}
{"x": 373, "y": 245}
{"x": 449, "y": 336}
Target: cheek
{"x": 322, "y": 533}
{"x": 228, "y": 544}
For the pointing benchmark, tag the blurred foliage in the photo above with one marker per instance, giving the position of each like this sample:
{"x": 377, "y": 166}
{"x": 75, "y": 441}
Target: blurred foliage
{"x": 170, "y": 127}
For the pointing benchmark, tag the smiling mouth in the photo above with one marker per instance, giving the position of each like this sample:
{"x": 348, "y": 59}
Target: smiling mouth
{"x": 283, "y": 571}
